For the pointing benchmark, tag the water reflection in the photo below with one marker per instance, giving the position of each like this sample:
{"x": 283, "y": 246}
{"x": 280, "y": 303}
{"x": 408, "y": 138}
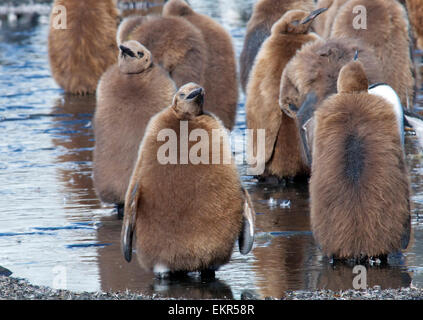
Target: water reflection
{"x": 73, "y": 134}
{"x": 118, "y": 275}
{"x": 340, "y": 277}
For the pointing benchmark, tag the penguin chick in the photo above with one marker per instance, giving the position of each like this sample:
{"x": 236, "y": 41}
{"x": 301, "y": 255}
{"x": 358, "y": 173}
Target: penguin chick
{"x": 265, "y": 14}
{"x": 311, "y": 76}
{"x": 282, "y": 151}
{"x": 186, "y": 216}
{"x": 319, "y": 25}
{"x": 323, "y": 25}
{"x": 129, "y": 94}
{"x": 385, "y": 29}
{"x": 83, "y": 50}
{"x": 359, "y": 185}
{"x": 220, "y": 71}
{"x": 176, "y": 44}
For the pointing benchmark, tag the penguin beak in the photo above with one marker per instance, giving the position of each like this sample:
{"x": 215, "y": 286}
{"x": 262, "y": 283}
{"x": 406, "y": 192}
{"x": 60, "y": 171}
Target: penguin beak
{"x": 313, "y": 15}
{"x": 356, "y": 55}
{"x": 126, "y": 51}
{"x": 306, "y": 143}
{"x": 198, "y": 95}
{"x": 305, "y": 117}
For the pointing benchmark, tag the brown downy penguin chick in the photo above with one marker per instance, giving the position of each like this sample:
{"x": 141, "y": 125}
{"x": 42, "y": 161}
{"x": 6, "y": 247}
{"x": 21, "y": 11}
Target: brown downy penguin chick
{"x": 175, "y": 43}
{"x": 220, "y": 66}
{"x": 140, "y": 7}
{"x": 319, "y": 25}
{"x": 386, "y": 30}
{"x": 323, "y": 25}
{"x": 81, "y": 52}
{"x": 283, "y": 155}
{"x": 311, "y": 76}
{"x": 359, "y": 185}
{"x": 265, "y": 14}
{"x": 186, "y": 216}
{"x": 415, "y": 14}
{"x": 128, "y": 95}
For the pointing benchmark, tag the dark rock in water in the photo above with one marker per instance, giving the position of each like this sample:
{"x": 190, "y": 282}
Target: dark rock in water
{"x": 5, "y": 272}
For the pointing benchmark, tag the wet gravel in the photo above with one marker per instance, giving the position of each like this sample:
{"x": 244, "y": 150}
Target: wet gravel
{"x": 369, "y": 294}
{"x": 20, "y": 289}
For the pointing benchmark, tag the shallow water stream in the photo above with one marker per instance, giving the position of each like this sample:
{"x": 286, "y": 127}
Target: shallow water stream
{"x": 55, "y": 232}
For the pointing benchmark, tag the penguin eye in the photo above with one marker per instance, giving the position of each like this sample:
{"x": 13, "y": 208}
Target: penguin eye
{"x": 140, "y": 54}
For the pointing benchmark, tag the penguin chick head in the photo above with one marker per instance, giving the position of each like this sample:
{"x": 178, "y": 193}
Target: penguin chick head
{"x": 134, "y": 57}
{"x": 296, "y": 22}
{"x": 352, "y": 78}
{"x": 188, "y": 101}
{"x": 176, "y": 8}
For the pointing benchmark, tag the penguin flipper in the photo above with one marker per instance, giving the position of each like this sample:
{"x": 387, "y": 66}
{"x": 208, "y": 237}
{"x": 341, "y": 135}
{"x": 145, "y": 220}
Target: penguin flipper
{"x": 246, "y": 236}
{"x": 129, "y": 220}
{"x": 268, "y": 118}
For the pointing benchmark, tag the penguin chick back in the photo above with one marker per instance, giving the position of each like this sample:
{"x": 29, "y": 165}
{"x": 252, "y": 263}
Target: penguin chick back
{"x": 359, "y": 186}
{"x": 220, "y": 78}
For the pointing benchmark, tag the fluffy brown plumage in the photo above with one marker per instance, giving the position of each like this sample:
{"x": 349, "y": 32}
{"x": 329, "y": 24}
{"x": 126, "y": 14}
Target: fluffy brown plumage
{"x": 265, "y": 14}
{"x": 220, "y": 72}
{"x": 283, "y": 154}
{"x": 415, "y": 13}
{"x": 314, "y": 71}
{"x": 176, "y": 44}
{"x": 387, "y": 33}
{"x": 359, "y": 185}
{"x": 323, "y": 25}
{"x": 316, "y": 66}
{"x": 129, "y": 94}
{"x": 82, "y": 52}
{"x": 186, "y": 217}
